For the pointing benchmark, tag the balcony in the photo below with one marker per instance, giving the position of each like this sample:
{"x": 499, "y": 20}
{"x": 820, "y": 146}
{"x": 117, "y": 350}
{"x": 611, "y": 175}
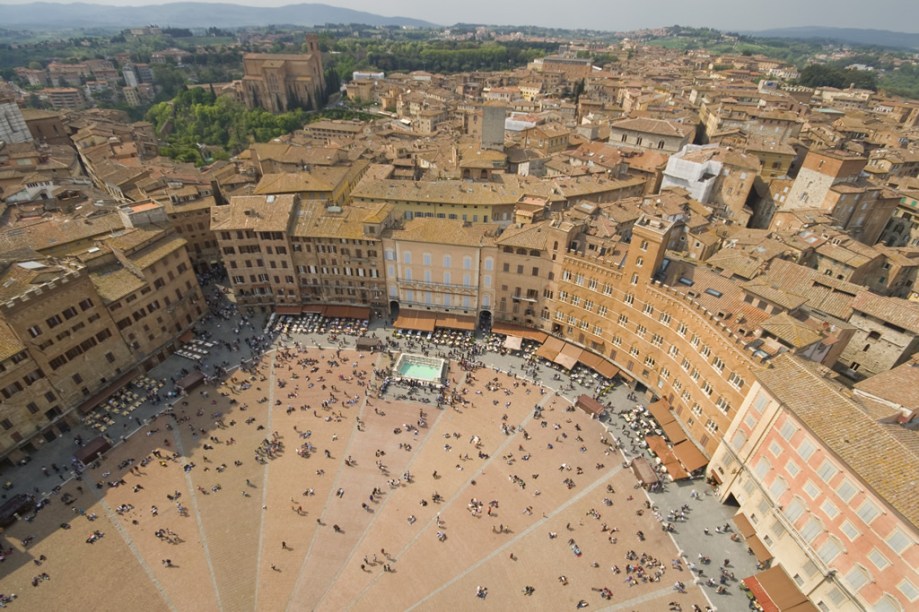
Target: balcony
{"x": 418, "y": 285}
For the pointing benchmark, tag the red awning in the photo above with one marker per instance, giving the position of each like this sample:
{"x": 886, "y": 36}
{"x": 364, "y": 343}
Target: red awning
{"x": 456, "y": 322}
{"x": 312, "y": 309}
{"x": 690, "y": 456}
{"x": 759, "y": 549}
{"x": 674, "y": 432}
{"x": 568, "y": 356}
{"x": 416, "y": 320}
{"x": 744, "y": 527}
{"x": 287, "y": 310}
{"x": 550, "y": 349}
{"x": 598, "y": 364}
{"x": 508, "y": 329}
{"x": 676, "y": 470}
{"x": 347, "y": 312}
{"x": 660, "y": 410}
{"x": 659, "y": 447}
{"x": 776, "y": 592}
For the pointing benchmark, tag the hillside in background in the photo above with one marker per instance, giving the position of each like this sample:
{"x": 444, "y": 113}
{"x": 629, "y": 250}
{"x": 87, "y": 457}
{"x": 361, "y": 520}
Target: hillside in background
{"x": 881, "y": 38}
{"x": 44, "y": 15}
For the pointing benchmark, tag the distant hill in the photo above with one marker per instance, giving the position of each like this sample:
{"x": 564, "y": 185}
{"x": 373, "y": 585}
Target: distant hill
{"x": 50, "y": 15}
{"x": 883, "y": 38}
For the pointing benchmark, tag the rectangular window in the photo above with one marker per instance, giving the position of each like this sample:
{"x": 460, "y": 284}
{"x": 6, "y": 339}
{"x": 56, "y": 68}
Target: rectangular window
{"x": 846, "y": 490}
{"x": 909, "y": 591}
{"x": 829, "y": 550}
{"x": 829, "y": 509}
{"x": 812, "y": 529}
{"x": 898, "y": 541}
{"x": 788, "y": 430}
{"x": 868, "y": 511}
{"x": 806, "y": 448}
{"x": 878, "y": 559}
{"x": 849, "y": 530}
{"x": 736, "y": 381}
{"x": 794, "y": 510}
{"x": 812, "y": 490}
{"x": 827, "y": 470}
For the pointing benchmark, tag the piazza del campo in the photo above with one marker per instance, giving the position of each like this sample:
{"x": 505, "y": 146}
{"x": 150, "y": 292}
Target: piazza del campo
{"x": 623, "y": 327}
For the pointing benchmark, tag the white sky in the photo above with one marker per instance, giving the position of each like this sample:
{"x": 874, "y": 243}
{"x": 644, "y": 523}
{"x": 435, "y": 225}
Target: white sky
{"x": 897, "y": 15}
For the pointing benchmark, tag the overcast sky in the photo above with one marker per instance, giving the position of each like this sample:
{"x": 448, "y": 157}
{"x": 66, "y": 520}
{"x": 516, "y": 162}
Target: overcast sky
{"x": 897, "y": 15}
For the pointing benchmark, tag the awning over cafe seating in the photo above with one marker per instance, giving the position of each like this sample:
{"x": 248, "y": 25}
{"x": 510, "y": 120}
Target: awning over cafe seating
{"x": 776, "y": 592}
{"x": 590, "y": 405}
{"x": 659, "y": 447}
{"x": 187, "y": 337}
{"x": 287, "y": 310}
{"x": 455, "y": 322}
{"x": 107, "y": 392}
{"x": 744, "y": 527}
{"x": 312, "y": 309}
{"x": 674, "y": 432}
{"x": 676, "y": 470}
{"x": 568, "y": 356}
{"x": 347, "y": 312}
{"x": 690, "y": 456}
{"x": 598, "y": 364}
{"x": 660, "y": 410}
{"x": 507, "y": 329}
{"x": 759, "y": 549}
{"x": 550, "y": 349}
{"x": 513, "y": 343}
{"x": 416, "y": 320}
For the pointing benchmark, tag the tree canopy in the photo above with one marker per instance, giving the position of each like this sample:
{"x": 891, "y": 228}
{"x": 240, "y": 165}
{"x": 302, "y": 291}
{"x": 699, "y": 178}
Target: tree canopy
{"x": 824, "y": 75}
{"x": 196, "y": 120}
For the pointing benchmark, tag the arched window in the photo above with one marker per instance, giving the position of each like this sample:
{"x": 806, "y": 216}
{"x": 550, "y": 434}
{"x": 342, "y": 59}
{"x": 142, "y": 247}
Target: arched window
{"x": 857, "y": 578}
{"x": 448, "y": 261}
{"x": 407, "y": 258}
{"x": 829, "y": 550}
{"x": 489, "y": 264}
{"x": 887, "y": 604}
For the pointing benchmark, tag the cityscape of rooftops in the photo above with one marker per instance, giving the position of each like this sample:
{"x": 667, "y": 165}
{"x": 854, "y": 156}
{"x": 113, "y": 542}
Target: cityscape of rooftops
{"x": 305, "y": 307}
